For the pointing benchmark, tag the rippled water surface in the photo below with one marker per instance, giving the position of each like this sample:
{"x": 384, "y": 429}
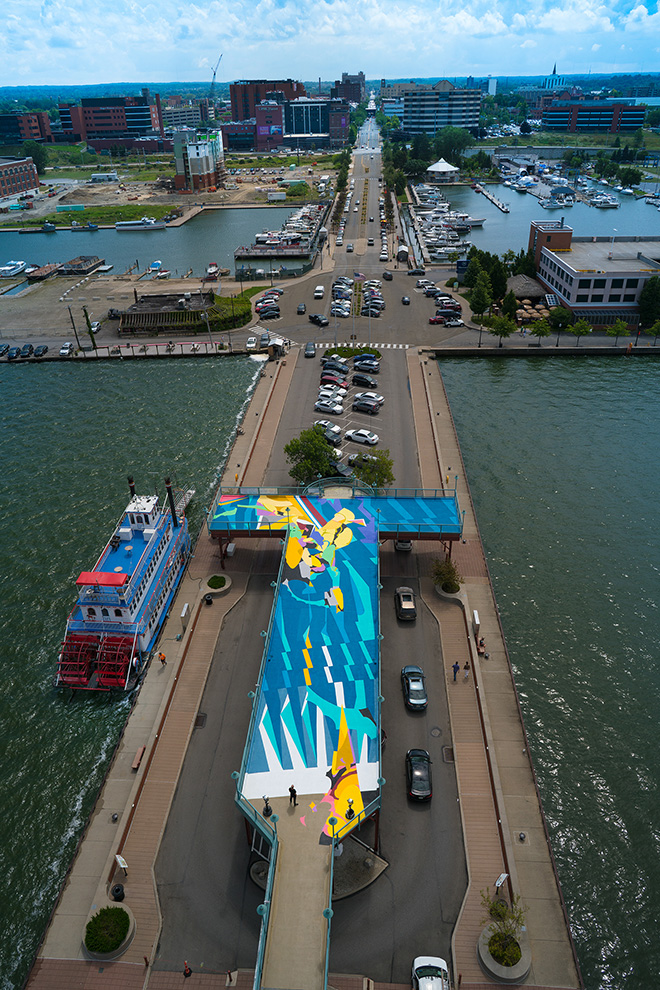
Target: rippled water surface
{"x": 562, "y": 458}
{"x": 69, "y": 436}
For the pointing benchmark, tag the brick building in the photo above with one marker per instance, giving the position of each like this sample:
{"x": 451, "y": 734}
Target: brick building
{"x": 269, "y": 126}
{"x": 350, "y": 87}
{"x": 109, "y": 117}
{"x": 18, "y": 127}
{"x": 581, "y": 115}
{"x": 200, "y": 164}
{"x": 17, "y": 175}
{"x": 246, "y": 94}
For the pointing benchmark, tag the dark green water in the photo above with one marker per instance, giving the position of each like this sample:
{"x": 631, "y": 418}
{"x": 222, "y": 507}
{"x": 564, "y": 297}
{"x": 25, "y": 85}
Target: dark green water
{"x": 562, "y": 459}
{"x": 69, "y": 436}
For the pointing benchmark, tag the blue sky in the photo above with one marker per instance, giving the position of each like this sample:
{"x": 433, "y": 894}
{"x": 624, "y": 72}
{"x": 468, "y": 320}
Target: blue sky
{"x": 69, "y": 42}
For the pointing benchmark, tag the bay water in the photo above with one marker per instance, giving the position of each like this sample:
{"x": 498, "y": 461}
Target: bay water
{"x": 561, "y": 456}
{"x": 69, "y": 436}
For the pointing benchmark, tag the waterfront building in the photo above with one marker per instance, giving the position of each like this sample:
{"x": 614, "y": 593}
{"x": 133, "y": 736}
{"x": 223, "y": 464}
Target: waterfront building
{"x": 428, "y": 109}
{"x": 582, "y": 115}
{"x": 17, "y": 175}
{"x": 598, "y": 279}
{"x": 269, "y": 125}
{"x": 200, "y": 164}
{"x": 247, "y": 93}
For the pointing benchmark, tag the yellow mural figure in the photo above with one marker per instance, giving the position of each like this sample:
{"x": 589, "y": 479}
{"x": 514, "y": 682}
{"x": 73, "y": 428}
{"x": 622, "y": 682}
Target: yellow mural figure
{"x": 344, "y": 796}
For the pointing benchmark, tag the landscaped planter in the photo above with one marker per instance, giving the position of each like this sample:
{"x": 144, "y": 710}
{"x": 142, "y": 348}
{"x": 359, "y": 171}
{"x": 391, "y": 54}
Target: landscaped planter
{"x": 121, "y": 949}
{"x": 216, "y": 592}
{"x": 504, "y": 974}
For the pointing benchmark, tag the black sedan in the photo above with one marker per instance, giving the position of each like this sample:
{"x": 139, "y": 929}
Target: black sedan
{"x": 3, "y": 349}
{"x": 413, "y": 685}
{"x": 418, "y": 775}
{"x": 40, "y": 350}
{"x": 319, "y": 319}
{"x": 14, "y": 353}
{"x": 27, "y": 350}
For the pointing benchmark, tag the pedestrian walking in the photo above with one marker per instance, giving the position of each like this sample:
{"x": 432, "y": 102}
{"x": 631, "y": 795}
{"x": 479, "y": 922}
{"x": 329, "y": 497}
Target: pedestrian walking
{"x": 293, "y": 796}
{"x": 161, "y": 657}
{"x": 466, "y": 671}
{"x": 456, "y": 667}
{"x": 187, "y": 971}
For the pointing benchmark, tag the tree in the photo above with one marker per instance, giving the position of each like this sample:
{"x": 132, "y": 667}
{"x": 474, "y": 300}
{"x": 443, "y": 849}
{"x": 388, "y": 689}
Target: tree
{"x": 506, "y": 923}
{"x": 541, "y": 329}
{"x": 618, "y": 329}
{"x": 579, "y": 329}
{"x": 472, "y": 272}
{"x": 498, "y": 275}
{"x": 525, "y": 127}
{"x": 450, "y": 143}
{"x": 38, "y": 154}
{"x": 654, "y": 331}
{"x": 376, "y": 470}
{"x": 310, "y": 454}
{"x": 510, "y": 305}
{"x": 481, "y": 297}
{"x": 502, "y": 327}
{"x": 559, "y": 319}
{"x": 399, "y": 182}
{"x": 523, "y": 264}
{"x": 649, "y": 301}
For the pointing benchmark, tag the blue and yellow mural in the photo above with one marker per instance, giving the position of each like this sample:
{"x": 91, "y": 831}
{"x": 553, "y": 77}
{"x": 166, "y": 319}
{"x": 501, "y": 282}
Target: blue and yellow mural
{"x": 317, "y": 720}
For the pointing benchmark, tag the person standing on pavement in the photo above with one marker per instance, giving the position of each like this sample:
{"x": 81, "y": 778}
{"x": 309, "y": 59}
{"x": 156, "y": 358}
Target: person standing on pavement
{"x": 293, "y": 796}
{"x": 456, "y": 667}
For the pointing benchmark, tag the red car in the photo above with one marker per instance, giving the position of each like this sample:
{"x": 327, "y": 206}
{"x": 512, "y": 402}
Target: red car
{"x": 332, "y": 380}
{"x": 437, "y": 319}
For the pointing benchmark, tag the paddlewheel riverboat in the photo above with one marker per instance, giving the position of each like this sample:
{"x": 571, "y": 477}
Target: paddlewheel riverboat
{"x": 124, "y": 600}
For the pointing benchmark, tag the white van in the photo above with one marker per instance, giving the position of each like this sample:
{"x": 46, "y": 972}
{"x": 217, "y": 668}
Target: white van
{"x": 319, "y": 292}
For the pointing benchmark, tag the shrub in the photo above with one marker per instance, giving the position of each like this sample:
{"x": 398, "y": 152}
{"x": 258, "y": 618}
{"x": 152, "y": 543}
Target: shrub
{"x": 217, "y": 581}
{"x": 504, "y": 950}
{"x": 446, "y": 574}
{"x": 506, "y": 923}
{"x": 107, "y": 930}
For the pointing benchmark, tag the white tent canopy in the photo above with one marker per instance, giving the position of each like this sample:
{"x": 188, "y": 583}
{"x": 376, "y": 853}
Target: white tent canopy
{"x": 442, "y": 167}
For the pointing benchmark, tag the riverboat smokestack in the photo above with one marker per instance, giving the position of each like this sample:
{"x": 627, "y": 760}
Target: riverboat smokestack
{"x": 131, "y": 485}
{"x": 170, "y": 496}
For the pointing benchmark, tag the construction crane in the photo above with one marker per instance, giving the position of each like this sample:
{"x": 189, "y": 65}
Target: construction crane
{"x": 212, "y": 89}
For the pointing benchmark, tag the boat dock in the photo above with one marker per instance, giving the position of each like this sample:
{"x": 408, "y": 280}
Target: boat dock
{"x": 491, "y": 197}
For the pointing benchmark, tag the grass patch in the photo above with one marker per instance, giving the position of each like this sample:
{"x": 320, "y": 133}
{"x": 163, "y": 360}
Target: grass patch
{"x": 107, "y": 930}
{"x": 217, "y": 581}
{"x": 102, "y": 215}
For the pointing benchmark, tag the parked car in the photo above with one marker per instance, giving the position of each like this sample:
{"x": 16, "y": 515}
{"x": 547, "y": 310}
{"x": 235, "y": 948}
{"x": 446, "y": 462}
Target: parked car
{"x": 328, "y": 406}
{"x": 335, "y": 366}
{"x": 366, "y": 405}
{"x": 328, "y": 379}
{"x": 413, "y": 685}
{"x": 340, "y": 469}
{"x": 365, "y": 380}
{"x": 339, "y": 311}
{"x": 328, "y": 427}
{"x": 360, "y": 456}
{"x": 370, "y": 311}
{"x": 430, "y": 973}
{"x": 365, "y": 356}
{"x": 66, "y": 350}
{"x": 361, "y": 436}
{"x": 319, "y": 319}
{"x": 332, "y": 392}
{"x": 302, "y": 309}
{"x": 418, "y": 776}
{"x": 454, "y": 322}
{"x": 40, "y": 350}
{"x": 437, "y": 319}
{"x": 403, "y": 545}
{"x": 405, "y": 605}
{"x": 27, "y": 350}
{"x": 371, "y": 367}
{"x": 13, "y": 353}
{"x": 370, "y": 397}
{"x": 4, "y": 348}
{"x": 269, "y": 314}
{"x": 251, "y": 344}
{"x": 95, "y": 326}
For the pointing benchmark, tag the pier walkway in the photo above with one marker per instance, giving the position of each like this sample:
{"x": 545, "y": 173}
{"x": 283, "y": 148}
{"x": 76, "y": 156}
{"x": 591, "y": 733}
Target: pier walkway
{"x": 498, "y": 793}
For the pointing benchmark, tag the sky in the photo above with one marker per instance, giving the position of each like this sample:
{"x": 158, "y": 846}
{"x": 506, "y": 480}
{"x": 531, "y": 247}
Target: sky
{"x": 83, "y": 42}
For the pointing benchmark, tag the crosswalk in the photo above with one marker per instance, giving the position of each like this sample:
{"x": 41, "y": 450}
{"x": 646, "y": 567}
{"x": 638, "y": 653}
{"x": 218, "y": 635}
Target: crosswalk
{"x": 354, "y": 343}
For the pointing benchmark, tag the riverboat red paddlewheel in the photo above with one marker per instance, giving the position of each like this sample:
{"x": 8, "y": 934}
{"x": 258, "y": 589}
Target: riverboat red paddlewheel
{"x": 76, "y": 661}
{"x": 94, "y": 663}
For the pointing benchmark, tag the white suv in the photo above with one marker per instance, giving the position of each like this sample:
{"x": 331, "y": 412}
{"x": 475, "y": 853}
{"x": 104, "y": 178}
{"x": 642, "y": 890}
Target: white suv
{"x": 66, "y": 349}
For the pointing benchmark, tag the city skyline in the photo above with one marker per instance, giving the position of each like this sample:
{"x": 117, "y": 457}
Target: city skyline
{"x": 53, "y": 42}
